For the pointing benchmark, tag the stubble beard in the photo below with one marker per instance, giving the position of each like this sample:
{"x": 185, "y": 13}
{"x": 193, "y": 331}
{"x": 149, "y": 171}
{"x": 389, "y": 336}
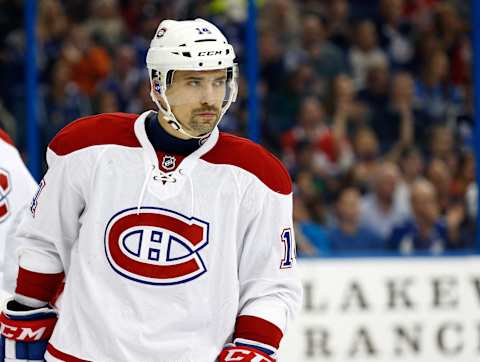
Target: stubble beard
{"x": 200, "y": 127}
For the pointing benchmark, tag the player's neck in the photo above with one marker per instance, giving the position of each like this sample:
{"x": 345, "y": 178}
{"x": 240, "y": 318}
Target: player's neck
{"x": 169, "y": 129}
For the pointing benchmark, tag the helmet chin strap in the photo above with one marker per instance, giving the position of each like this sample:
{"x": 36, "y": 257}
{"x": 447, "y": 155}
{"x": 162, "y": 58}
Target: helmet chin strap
{"x": 170, "y": 117}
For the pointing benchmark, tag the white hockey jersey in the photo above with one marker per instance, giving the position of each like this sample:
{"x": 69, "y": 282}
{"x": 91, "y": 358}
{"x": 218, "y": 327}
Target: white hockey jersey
{"x": 159, "y": 270}
{"x": 17, "y": 188}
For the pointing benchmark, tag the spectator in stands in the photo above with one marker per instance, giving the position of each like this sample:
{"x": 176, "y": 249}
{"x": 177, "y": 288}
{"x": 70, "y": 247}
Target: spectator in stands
{"x": 381, "y": 208}
{"x": 281, "y": 17}
{"x": 451, "y": 206}
{"x": 338, "y": 19}
{"x": 411, "y": 166}
{"x": 395, "y": 33}
{"x": 448, "y": 26}
{"x": 401, "y": 115}
{"x": 426, "y": 44}
{"x": 348, "y": 233}
{"x": 465, "y": 174}
{"x": 311, "y": 237}
{"x": 376, "y": 94}
{"x": 365, "y": 53}
{"x": 419, "y": 13}
{"x": 426, "y": 230}
{"x": 143, "y": 19}
{"x": 309, "y": 190}
{"x": 283, "y": 104}
{"x": 271, "y": 59}
{"x": 326, "y": 59}
{"x": 439, "y": 175}
{"x": 465, "y": 123}
{"x": 366, "y": 161}
{"x": 393, "y": 121}
{"x": 105, "y": 101}
{"x": 329, "y": 151}
{"x": 63, "y": 102}
{"x": 89, "y": 62}
{"x": 106, "y": 24}
{"x": 472, "y": 204}
{"x": 377, "y": 86}
{"x": 52, "y": 28}
{"x": 345, "y": 112}
{"x": 435, "y": 97}
{"x": 442, "y": 146}
{"x": 124, "y": 75}
{"x": 452, "y": 32}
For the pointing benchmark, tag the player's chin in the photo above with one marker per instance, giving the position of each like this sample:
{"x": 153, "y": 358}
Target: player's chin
{"x": 203, "y": 126}
{"x": 200, "y": 131}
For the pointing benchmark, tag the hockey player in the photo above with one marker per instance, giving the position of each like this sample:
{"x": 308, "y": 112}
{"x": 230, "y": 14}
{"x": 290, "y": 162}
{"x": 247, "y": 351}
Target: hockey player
{"x": 17, "y": 187}
{"x": 175, "y": 240}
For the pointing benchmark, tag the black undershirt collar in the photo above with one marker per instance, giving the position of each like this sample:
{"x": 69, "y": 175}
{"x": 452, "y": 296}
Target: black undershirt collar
{"x": 162, "y": 141}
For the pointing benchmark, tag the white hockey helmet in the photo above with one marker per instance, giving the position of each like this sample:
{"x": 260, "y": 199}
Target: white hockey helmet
{"x": 189, "y": 45}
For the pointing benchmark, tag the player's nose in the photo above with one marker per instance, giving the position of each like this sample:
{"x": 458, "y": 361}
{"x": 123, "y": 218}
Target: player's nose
{"x": 207, "y": 94}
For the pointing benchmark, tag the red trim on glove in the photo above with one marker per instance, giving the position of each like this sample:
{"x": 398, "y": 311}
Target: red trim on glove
{"x": 39, "y": 286}
{"x": 258, "y": 329}
{"x": 243, "y": 354}
{"x": 62, "y": 355}
{"x": 27, "y": 330}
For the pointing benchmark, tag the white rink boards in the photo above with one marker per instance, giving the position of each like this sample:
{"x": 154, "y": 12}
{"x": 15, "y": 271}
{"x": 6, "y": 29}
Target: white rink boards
{"x": 387, "y": 310}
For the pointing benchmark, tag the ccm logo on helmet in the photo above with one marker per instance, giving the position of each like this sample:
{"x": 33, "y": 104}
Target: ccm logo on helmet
{"x": 157, "y": 246}
{"x": 209, "y": 53}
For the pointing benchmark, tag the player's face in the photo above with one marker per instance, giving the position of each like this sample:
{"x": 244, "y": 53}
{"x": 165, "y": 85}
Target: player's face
{"x": 196, "y": 99}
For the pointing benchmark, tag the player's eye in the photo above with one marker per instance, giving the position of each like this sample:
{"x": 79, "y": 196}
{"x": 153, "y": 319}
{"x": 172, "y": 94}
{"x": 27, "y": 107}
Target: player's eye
{"x": 193, "y": 83}
{"x": 219, "y": 82}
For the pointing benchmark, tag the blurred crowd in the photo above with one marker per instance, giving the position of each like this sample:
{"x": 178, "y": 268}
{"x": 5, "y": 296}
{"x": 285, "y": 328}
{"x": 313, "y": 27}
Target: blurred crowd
{"x": 368, "y": 103}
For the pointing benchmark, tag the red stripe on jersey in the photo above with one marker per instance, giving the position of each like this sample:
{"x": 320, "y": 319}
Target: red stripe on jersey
{"x": 258, "y": 329}
{"x": 62, "y": 355}
{"x": 5, "y": 137}
{"x": 251, "y": 157}
{"x": 59, "y": 292}
{"x": 102, "y": 129}
{"x": 39, "y": 286}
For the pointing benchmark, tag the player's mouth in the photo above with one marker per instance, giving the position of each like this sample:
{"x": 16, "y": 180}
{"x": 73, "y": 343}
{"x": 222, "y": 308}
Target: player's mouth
{"x": 207, "y": 115}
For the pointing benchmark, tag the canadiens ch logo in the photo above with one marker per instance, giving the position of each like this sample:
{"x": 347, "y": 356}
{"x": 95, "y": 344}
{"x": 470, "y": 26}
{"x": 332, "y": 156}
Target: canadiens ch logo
{"x": 168, "y": 162}
{"x": 157, "y": 246}
{"x": 5, "y": 188}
